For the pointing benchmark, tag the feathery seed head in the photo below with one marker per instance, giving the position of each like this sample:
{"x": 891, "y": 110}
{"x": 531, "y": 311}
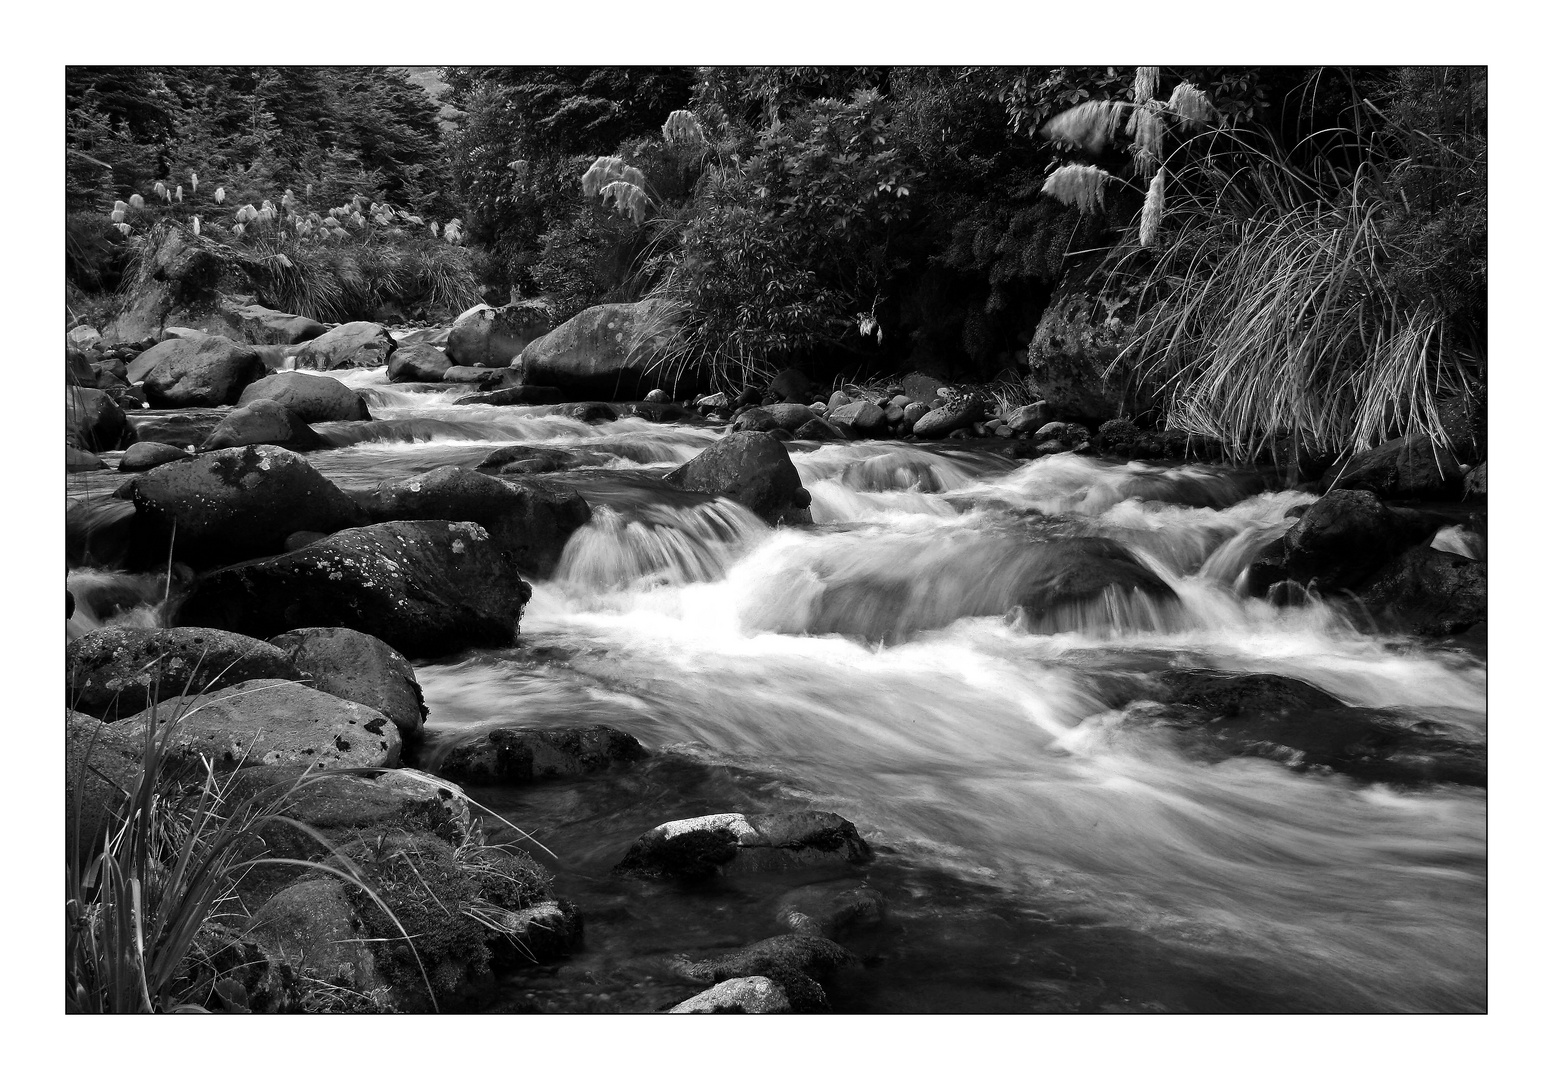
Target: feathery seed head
{"x": 136, "y": 201}
{"x": 1192, "y": 106}
{"x": 1079, "y": 186}
{"x": 1089, "y": 126}
{"x": 1144, "y": 84}
{"x": 1153, "y": 210}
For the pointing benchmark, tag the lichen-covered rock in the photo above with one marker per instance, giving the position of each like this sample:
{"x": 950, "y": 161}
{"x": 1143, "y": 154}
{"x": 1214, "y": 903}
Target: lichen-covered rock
{"x": 513, "y": 755}
{"x": 1411, "y": 468}
{"x": 349, "y": 345}
{"x": 358, "y": 667}
{"x": 721, "y": 845}
{"x": 262, "y": 423}
{"x": 417, "y": 363}
{"x": 118, "y": 670}
{"x": 752, "y": 468}
{"x": 259, "y": 325}
{"x": 93, "y": 421}
{"x": 608, "y": 351}
{"x": 196, "y": 372}
{"x": 234, "y": 504}
{"x": 269, "y": 722}
{"x": 486, "y": 336}
{"x": 316, "y": 399}
{"x": 529, "y": 519}
{"x": 752, "y": 995}
{"x": 1074, "y": 346}
{"x": 427, "y": 588}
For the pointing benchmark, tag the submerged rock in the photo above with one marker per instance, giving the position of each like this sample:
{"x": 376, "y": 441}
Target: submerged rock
{"x": 1071, "y": 576}
{"x": 752, "y": 468}
{"x": 118, "y": 670}
{"x": 513, "y": 755}
{"x": 729, "y": 844}
{"x": 427, "y": 588}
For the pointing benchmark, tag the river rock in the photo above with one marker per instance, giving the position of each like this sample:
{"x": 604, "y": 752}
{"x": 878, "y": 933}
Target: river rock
{"x": 752, "y": 468}
{"x": 486, "y": 336}
{"x": 263, "y": 422}
{"x": 1430, "y": 592}
{"x": 798, "y": 963}
{"x": 773, "y": 417}
{"x": 482, "y": 378}
{"x": 83, "y": 337}
{"x": 427, "y": 588}
{"x": 515, "y": 755}
{"x": 1410, "y": 468}
{"x": 1343, "y": 537}
{"x": 204, "y": 371}
{"x": 837, "y": 399}
{"x": 528, "y": 460}
{"x": 358, "y": 667}
{"x": 1028, "y": 419}
{"x": 79, "y": 370}
{"x": 820, "y": 431}
{"x": 753, "y": 995}
{"x": 349, "y": 345}
{"x": 1069, "y": 576}
{"x": 529, "y": 519}
{"x": 659, "y": 412}
{"x": 119, "y": 670}
{"x": 949, "y": 417}
{"x": 183, "y": 428}
{"x": 864, "y": 417}
{"x": 311, "y": 928}
{"x": 94, "y": 421}
{"x": 827, "y": 910}
{"x": 1217, "y": 714}
{"x": 237, "y": 503}
{"x": 417, "y": 363}
{"x": 516, "y": 395}
{"x": 259, "y": 325}
{"x": 722, "y": 845}
{"x": 82, "y": 461}
{"x": 315, "y": 399}
{"x": 608, "y": 351}
{"x": 270, "y": 722}
{"x": 1475, "y": 483}
{"x": 537, "y": 934}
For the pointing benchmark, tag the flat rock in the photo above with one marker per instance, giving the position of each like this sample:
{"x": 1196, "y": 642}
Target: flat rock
{"x": 259, "y": 325}
{"x": 349, "y": 345}
{"x": 358, "y": 667}
{"x": 752, "y": 995}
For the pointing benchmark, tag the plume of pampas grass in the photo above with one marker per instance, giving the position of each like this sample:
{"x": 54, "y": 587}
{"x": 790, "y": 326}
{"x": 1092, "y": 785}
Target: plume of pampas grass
{"x": 308, "y": 191}
{"x": 160, "y": 189}
{"x": 1090, "y": 125}
{"x": 194, "y": 182}
{"x": 117, "y": 216}
{"x": 1079, "y": 186}
{"x": 606, "y": 170}
{"x": 682, "y": 126}
{"x": 178, "y": 194}
{"x": 120, "y": 206}
{"x": 628, "y": 198}
{"x": 1144, "y": 84}
{"x": 123, "y": 228}
{"x": 239, "y": 229}
{"x": 220, "y": 195}
{"x": 1192, "y": 106}
{"x": 195, "y": 224}
{"x": 136, "y": 201}
{"x": 433, "y": 228}
{"x": 1153, "y": 210}
{"x": 1148, "y": 138}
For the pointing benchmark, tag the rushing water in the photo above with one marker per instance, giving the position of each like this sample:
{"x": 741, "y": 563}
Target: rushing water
{"x": 1036, "y": 854}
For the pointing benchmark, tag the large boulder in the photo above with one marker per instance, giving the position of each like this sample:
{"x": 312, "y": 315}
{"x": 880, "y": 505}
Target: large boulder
{"x": 1344, "y": 536}
{"x": 178, "y": 277}
{"x": 784, "y": 416}
{"x": 515, "y": 755}
{"x": 234, "y": 504}
{"x": 485, "y": 336}
{"x": 119, "y": 670}
{"x": 417, "y": 363}
{"x": 529, "y": 519}
{"x": 1429, "y": 591}
{"x": 723, "y": 845}
{"x": 259, "y": 325}
{"x": 427, "y": 588}
{"x": 316, "y": 399}
{"x": 1410, "y": 468}
{"x": 93, "y": 420}
{"x": 83, "y": 337}
{"x": 262, "y": 423}
{"x": 608, "y": 351}
{"x": 358, "y": 667}
{"x": 1079, "y": 336}
{"x": 749, "y": 467}
{"x": 349, "y": 345}
{"x": 204, "y": 371}
{"x": 269, "y": 722}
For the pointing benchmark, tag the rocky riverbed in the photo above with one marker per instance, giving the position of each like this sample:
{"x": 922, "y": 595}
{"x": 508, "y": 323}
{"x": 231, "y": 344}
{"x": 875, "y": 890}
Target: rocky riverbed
{"x": 869, "y": 699}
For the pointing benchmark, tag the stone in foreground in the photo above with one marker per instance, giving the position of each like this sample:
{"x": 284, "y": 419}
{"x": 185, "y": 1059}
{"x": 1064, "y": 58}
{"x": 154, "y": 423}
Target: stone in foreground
{"x": 358, "y": 667}
{"x": 754, "y": 994}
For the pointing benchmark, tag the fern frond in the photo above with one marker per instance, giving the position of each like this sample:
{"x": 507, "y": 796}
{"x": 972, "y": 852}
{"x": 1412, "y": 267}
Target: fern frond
{"x": 1089, "y": 126}
{"x": 1078, "y": 186}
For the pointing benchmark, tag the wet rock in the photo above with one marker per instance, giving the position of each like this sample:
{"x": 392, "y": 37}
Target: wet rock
{"x": 538, "y": 934}
{"x": 513, "y": 755}
{"x": 484, "y": 379}
{"x": 486, "y": 336}
{"x": 269, "y": 722}
{"x": 183, "y": 428}
{"x": 82, "y": 461}
{"x": 721, "y": 845}
{"x": 914, "y": 412}
{"x": 315, "y": 399}
{"x": 751, "y": 468}
{"x": 826, "y": 910}
{"x": 1475, "y": 484}
{"x": 529, "y": 519}
{"x": 1071, "y": 575}
{"x": 657, "y": 396}
{"x": 93, "y": 421}
{"x": 417, "y": 363}
{"x": 300, "y": 539}
{"x": 837, "y": 400}
{"x": 864, "y": 417}
{"x": 262, "y": 423}
{"x": 588, "y": 412}
{"x": 609, "y": 351}
{"x": 1430, "y": 592}
{"x": 203, "y": 371}
{"x": 349, "y": 345}
{"x": 259, "y": 325}
{"x": 949, "y": 417}
{"x": 1343, "y": 537}
{"x": 798, "y": 963}
{"x": 1218, "y": 715}
{"x": 753, "y": 995}
{"x": 1411, "y": 468}
{"x": 1029, "y": 418}
{"x": 358, "y": 667}
{"x": 115, "y": 671}
{"x": 772, "y": 417}
{"x": 659, "y": 412}
{"x": 526, "y": 460}
{"x": 713, "y": 401}
{"x": 516, "y": 395}
{"x": 791, "y": 386}
{"x": 234, "y": 504}
{"x": 427, "y": 588}
{"x": 820, "y": 431}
